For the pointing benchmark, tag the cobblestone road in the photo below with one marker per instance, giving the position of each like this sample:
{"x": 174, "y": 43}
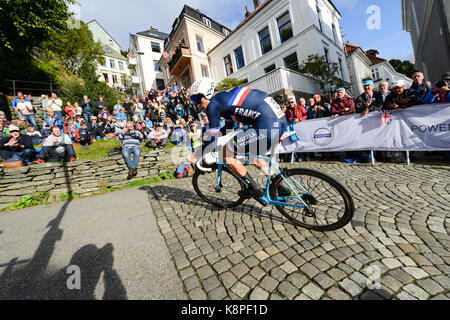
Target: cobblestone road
{"x": 400, "y": 231}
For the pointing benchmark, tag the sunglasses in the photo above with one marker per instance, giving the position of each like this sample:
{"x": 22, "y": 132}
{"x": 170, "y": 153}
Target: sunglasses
{"x": 197, "y": 99}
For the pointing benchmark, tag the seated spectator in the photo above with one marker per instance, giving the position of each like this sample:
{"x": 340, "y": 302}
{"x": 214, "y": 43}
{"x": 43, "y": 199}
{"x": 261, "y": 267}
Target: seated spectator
{"x": 159, "y": 138}
{"x": 300, "y": 112}
{"x": 17, "y": 147}
{"x": 4, "y": 131}
{"x": 78, "y": 111}
{"x": 398, "y": 98}
{"x": 97, "y": 129}
{"x": 319, "y": 108}
{"x": 59, "y": 146}
{"x": 131, "y": 145}
{"x": 3, "y": 118}
{"x": 35, "y": 135}
{"x": 109, "y": 126}
{"x": 168, "y": 126}
{"x": 53, "y": 119}
{"x": 55, "y": 104}
{"x": 25, "y": 108}
{"x": 367, "y": 101}
{"x": 342, "y": 105}
{"x": 148, "y": 122}
{"x": 70, "y": 110}
{"x": 70, "y": 128}
{"x": 22, "y": 123}
{"x": 83, "y": 135}
{"x": 102, "y": 107}
{"x": 439, "y": 92}
{"x": 145, "y": 130}
{"x": 119, "y": 125}
{"x": 4, "y": 106}
{"x": 117, "y": 107}
{"x": 418, "y": 89}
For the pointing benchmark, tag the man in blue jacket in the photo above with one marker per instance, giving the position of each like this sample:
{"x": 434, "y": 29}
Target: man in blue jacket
{"x": 439, "y": 92}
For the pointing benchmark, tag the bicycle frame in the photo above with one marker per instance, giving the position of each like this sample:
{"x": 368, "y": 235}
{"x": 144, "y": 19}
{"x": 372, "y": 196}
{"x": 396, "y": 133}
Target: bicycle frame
{"x": 267, "y": 199}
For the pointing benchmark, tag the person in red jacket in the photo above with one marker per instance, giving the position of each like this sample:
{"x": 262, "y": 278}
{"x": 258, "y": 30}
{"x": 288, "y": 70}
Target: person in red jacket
{"x": 300, "y": 112}
{"x": 70, "y": 110}
{"x": 342, "y": 105}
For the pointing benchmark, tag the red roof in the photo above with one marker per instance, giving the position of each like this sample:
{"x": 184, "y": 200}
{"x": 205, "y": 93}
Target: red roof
{"x": 370, "y": 54}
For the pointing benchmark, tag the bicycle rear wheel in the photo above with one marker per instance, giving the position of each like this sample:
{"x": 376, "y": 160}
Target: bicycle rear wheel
{"x": 330, "y": 206}
{"x": 224, "y": 195}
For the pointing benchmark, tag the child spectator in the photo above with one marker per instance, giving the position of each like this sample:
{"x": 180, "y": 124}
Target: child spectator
{"x": 35, "y": 135}
{"x": 159, "y": 138}
{"x": 70, "y": 110}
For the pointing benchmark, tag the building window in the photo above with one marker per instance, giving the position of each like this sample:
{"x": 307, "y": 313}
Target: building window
{"x": 160, "y": 84}
{"x": 156, "y": 47}
{"x": 264, "y": 40}
{"x": 291, "y": 62}
{"x": 156, "y": 65}
{"x": 114, "y": 78}
{"x": 205, "y": 72}
{"x": 239, "y": 54}
{"x": 341, "y": 67}
{"x": 376, "y": 74}
{"x": 319, "y": 17}
{"x": 327, "y": 58}
{"x": 112, "y": 64}
{"x": 270, "y": 68}
{"x": 207, "y": 21}
{"x": 200, "y": 44}
{"x": 225, "y": 32}
{"x": 121, "y": 65}
{"x": 335, "y": 34}
{"x": 285, "y": 27}
{"x": 110, "y": 42}
{"x": 105, "y": 76}
{"x": 228, "y": 65}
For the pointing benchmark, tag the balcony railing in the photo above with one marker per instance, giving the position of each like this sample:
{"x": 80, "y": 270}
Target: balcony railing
{"x": 135, "y": 81}
{"x": 132, "y": 61}
{"x": 179, "y": 53}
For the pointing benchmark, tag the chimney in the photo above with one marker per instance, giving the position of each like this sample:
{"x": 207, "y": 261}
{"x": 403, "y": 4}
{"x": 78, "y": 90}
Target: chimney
{"x": 256, "y": 3}
{"x": 372, "y": 52}
{"x": 247, "y": 13}
{"x": 154, "y": 29}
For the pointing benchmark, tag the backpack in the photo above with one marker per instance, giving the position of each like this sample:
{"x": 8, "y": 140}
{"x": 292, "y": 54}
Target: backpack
{"x": 183, "y": 171}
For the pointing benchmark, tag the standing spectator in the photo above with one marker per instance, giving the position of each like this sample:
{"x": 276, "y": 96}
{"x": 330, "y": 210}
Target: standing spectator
{"x": 16, "y": 101}
{"x": 17, "y": 146}
{"x": 300, "y": 112}
{"x": 382, "y": 93}
{"x": 70, "y": 110}
{"x": 45, "y": 103}
{"x": 87, "y": 107}
{"x": 138, "y": 110}
{"x": 4, "y": 106}
{"x": 128, "y": 108}
{"x": 159, "y": 138}
{"x": 342, "y": 105}
{"x": 418, "y": 89}
{"x": 367, "y": 101}
{"x": 288, "y": 113}
{"x": 131, "y": 145}
{"x": 399, "y": 97}
{"x": 25, "y": 108}
{"x": 319, "y": 108}
{"x": 101, "y": 104}
{"x": 117, "y": 107}
{"x": 439, "y": 92}
{"x": 56, "y": 104}
{"x": 58, "y": 145}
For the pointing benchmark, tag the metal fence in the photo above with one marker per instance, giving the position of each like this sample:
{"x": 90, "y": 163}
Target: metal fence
{"x": 34, "y": 88}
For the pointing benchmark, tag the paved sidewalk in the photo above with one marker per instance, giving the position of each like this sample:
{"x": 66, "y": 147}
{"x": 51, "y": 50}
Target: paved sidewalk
{"x": 163, "y": 242}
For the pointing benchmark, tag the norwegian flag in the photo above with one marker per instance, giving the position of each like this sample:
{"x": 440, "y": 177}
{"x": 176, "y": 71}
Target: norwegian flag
{"x": 166, "y": 55}
{"x": 387, "y": 117}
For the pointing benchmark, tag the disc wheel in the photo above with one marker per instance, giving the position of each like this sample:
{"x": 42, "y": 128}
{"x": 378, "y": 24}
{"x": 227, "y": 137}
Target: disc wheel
{"x": 330, "y": 206}
{"x": 224, "y": 195}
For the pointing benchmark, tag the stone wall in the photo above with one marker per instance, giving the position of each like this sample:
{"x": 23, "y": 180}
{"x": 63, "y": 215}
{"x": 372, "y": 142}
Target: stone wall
{"x": 83, "y": 177}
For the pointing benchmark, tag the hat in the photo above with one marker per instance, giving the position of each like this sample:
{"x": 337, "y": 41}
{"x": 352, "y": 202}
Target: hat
{"x": 368, "y": 82}
{"x": 398, "y": 83}
{"x": 13, "y": 128}
{"x": 341, "y": 89}
{"x": 446, "y": 76}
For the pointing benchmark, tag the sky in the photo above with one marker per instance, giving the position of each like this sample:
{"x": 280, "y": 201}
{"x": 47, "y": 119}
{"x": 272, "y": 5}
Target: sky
{"x": 120, "y": 18}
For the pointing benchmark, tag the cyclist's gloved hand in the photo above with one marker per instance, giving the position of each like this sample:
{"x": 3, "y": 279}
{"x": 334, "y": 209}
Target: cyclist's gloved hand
{"x": 211, "y": 158}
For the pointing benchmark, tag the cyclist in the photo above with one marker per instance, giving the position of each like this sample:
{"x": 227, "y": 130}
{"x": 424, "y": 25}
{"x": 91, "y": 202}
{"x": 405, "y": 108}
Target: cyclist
{"x": 249, "y": 107}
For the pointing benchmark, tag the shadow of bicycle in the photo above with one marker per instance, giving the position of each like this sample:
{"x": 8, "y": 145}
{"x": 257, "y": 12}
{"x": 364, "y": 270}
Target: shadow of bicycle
{"x": 190, "y": 198}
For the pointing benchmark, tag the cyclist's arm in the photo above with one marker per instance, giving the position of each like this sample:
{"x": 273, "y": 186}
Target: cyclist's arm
{"x": 212, "y": 134}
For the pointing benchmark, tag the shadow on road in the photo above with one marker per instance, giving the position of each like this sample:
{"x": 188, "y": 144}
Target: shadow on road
{"x": 35, "y": 281}
{"x": 187, "y": 197}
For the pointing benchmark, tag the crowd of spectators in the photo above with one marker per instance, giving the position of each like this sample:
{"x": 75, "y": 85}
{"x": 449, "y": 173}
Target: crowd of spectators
{"x": 169, "y": 114}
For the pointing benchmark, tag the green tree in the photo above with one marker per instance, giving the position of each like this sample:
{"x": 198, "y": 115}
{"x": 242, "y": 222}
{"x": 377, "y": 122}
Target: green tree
{"x": 77, "y": 50}
{"x": 403, "y": 67}
{"x": 229, "y": 83}
{"x": 25, "y": 24}
{"x": 324, "y": 74}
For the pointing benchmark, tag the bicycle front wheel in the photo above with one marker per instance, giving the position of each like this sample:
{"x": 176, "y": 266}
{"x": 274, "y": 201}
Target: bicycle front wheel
{"x": 223, "y": 194}
{"x": 329, "y": 204}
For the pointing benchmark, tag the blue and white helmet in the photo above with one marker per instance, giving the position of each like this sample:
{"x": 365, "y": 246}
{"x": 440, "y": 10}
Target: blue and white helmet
{"x": 203, "y": 86}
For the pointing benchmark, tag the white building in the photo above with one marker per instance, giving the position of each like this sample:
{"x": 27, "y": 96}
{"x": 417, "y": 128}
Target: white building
{"x": 115, "y": 70}
{"x": 143, "y": 61}
{"x": 368, "y": 66}
{"x": 268, "y": 47}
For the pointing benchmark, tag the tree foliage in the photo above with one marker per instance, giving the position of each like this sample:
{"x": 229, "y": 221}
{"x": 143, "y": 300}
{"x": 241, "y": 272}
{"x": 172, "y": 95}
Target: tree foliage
{"x": 77, "y": 50}
{"x": 25, "y": 24}
{"x": 325, "y": 74}
{"x": 229, "y": 83}
{"x": 403, "y": 67}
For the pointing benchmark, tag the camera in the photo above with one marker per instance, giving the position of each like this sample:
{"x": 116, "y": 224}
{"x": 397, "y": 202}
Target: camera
{"x": 441, "y": 84}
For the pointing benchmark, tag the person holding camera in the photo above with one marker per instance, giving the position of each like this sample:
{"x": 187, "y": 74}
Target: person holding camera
{"x": 399, "y": 98}
{"x": 367, "y": 102}
{"x": 439, "y": 92}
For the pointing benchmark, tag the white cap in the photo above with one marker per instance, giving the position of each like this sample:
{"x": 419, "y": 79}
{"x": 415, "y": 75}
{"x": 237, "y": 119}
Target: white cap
{"x": 399, "y": 83}
{"x": 13, "y": 128}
